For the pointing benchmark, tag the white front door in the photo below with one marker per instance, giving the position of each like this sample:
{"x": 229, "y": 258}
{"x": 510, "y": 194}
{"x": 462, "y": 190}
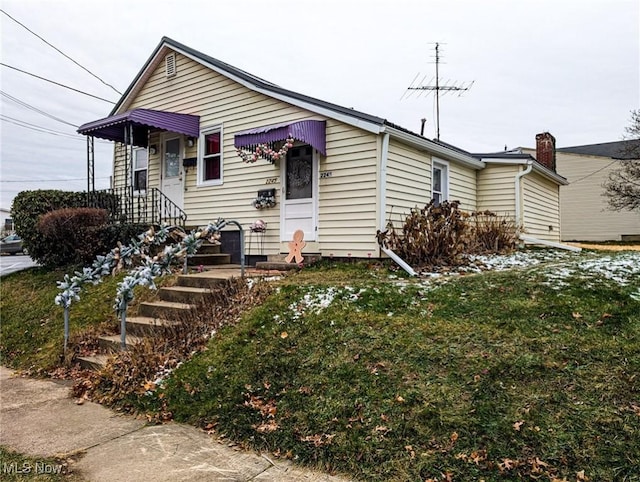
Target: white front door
{"x": 172, "y": 170}
{"x": 299, "y": 193}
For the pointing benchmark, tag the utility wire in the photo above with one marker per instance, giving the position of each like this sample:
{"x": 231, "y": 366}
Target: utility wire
{"x": 29, "y": 106}
{"x": 56, "y": 83}
{"x": 593, "y": 173}
{"x": 50, "y": 180}
{"x": 46, "y": 130}
{"x": 60, "y": 52}
{"x": 22, "y": 123}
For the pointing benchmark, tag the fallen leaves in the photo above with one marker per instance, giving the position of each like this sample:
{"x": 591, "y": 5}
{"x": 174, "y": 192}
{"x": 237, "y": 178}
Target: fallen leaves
{"x": 517, "y": 425}
{"x": 318, "y": 440}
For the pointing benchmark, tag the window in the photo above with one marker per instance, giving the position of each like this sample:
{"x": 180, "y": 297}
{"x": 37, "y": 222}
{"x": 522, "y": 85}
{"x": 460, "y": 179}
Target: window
{"x": 210, "y": 157}
{"x": 139, "y": 170}
{"x": 439, "y": 183}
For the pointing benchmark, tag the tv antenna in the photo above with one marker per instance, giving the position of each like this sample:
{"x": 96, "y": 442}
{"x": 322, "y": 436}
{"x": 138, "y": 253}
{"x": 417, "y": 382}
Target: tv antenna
{"x": 437, "y": 88}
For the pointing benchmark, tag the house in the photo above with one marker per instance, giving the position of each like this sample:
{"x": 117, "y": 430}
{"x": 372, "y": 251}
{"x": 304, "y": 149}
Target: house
{"x": 584, "y": 212}
{"x": 6, "y": 223}
{"x": 203, "y": 139}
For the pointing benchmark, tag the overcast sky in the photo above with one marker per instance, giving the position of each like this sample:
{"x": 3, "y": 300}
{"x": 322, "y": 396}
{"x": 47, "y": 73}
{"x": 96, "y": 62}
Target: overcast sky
{"x": 568, "y": 67}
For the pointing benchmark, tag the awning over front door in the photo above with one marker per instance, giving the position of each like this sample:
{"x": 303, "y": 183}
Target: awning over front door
{"x": 312, "y": 132}
{"x": 113, "y": 127}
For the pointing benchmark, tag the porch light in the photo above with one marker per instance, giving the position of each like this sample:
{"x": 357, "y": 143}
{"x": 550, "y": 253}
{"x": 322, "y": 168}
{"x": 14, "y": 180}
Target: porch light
{"x": 191, "y": 141}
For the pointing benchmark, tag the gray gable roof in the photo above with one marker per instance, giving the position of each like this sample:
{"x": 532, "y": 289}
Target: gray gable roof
{"x": 614, "y": 150}
{"x": 361, "y": 119}
{"x": 255, "y": 80}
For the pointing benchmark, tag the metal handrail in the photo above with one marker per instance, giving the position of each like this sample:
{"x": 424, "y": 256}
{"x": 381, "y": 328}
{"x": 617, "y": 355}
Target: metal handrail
{"x": 141, "y": 207}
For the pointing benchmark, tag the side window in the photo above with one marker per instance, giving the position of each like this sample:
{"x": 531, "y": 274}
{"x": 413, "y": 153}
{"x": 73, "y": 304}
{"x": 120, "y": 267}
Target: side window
{"x": 439, "y": 183}
{"x": 139, "y": 170}
{"x": 210, "y": 157}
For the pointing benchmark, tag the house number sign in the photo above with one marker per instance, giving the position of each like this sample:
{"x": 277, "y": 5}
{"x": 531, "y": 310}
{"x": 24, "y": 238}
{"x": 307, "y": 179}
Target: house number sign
{"x": 326, "y": 174}
{"x": 271, "y": 180}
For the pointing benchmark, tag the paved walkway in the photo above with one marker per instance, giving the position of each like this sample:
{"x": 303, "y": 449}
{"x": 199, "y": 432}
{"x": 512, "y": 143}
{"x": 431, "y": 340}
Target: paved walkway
{"x": 38, "y": 418}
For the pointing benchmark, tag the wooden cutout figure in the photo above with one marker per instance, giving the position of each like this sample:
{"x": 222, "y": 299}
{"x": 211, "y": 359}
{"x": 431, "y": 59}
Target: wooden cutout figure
{"x": 295, "y": 247}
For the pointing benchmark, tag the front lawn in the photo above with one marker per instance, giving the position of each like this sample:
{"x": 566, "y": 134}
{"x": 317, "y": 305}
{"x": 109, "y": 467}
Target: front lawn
{"x": 529, "y": 373}
{"x": 522, "y": 374}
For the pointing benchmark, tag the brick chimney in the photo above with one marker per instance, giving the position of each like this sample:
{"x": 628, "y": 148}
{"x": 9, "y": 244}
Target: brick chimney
{"x": 546, "y": 150}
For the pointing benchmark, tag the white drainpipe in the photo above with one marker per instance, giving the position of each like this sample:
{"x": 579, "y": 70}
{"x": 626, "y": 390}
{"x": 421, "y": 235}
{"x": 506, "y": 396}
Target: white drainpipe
{"x": 519, "y": 176}
{"x": 383, "y": 181}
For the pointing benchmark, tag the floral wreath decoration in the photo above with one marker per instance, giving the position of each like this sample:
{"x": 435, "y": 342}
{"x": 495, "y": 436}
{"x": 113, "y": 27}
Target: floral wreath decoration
{"x": 265, "y": 151}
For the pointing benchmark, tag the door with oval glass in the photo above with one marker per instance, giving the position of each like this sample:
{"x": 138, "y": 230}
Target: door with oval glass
{"x": 299, "y": 193}
{"x": 172, "y": 186}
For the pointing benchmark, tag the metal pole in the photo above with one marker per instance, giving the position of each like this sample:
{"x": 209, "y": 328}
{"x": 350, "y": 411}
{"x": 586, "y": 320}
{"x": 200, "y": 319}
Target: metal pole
{"x": 66, "y": 328}
{"x": 123, "y": 326}
{"x": 437, "y": 94}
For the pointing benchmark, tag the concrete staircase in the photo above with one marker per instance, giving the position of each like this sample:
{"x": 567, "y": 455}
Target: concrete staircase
{"x": 174, "y": 303}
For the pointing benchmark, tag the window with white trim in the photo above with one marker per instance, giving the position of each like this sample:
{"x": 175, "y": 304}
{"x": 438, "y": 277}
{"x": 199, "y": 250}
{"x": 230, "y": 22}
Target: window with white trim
{"x": 210, "y": 156}
{"x": 439, "y": 183}
{"x": 139, "y": 168}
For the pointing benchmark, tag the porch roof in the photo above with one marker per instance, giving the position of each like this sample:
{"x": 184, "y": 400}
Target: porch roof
{"x": 112, "y": 127}
{"x": 313, "y": 132}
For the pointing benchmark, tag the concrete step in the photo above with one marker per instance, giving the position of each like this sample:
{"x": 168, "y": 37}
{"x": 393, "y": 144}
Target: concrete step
{"x": 276, "y": 265}
{"x": 111, "y": 343}
{"x": 206, "y": 282}
{"x": 309, "y": 258}
{"x": 208, "y": 248}
{"x": 166, "y": 310}
{"x": 209, "y": 259}
{"x": 145, "y": 326}
{"x": 95, "y": 362}
{"x": 184, "y": 294}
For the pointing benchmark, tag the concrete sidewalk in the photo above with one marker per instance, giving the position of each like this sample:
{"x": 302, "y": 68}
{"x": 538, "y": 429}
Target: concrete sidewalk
{"x": 38, "y": 418}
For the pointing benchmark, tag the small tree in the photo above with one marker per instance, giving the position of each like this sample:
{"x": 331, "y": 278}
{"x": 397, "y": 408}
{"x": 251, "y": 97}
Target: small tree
{"x": 623, "y": 186}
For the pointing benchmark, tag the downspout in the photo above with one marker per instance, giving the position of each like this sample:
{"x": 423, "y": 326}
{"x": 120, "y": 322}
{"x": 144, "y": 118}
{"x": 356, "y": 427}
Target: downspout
{"x": 384, "y": 155}
{"x": 518, "y": 206}
{"x": 530, "y": 239}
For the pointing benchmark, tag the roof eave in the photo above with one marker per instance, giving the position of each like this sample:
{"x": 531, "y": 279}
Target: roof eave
{"x": 357, "y": 119}
{"x": 537, "y": 167}
{"x": 437, "y": 149}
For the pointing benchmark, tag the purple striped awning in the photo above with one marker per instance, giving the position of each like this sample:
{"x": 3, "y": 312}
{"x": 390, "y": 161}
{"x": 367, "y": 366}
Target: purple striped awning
{"x": 312, "y": 132}
{"x": 112, "y": 128}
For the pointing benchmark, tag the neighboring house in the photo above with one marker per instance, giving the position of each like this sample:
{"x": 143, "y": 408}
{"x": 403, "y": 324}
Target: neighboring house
{"x": 6, "y": 223}
{"x": 191, "y": 128}
{"x": 584, "y": 213}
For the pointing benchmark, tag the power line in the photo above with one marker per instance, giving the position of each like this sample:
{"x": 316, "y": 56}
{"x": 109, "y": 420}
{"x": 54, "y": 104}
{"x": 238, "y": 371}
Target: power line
{"x": 45, "y": 130}
{"x": 50, "y": 180}
{"x": 35, "y": 109}
{"x": 60, "y": 51}
{"x": 56, "y": 83}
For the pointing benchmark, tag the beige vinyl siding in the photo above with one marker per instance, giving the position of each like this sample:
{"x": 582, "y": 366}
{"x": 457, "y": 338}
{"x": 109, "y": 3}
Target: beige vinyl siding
{"x": 584, "y": 212}
{"x": 462, "y": 186}
{"x": 347, "y": 199}
{"x": 408, "y": 180}
{"x": 540, "y": 205}
{"x": 496, "y": 189}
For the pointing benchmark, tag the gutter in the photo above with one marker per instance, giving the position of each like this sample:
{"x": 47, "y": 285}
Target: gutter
{"x": 425, "y": 144}
{"x": 517, "y": 179}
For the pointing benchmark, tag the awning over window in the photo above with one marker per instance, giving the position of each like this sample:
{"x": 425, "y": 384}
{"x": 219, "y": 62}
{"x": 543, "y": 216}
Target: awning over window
{"x": 312, "y": 132}
{"x": 112, "y": 128}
